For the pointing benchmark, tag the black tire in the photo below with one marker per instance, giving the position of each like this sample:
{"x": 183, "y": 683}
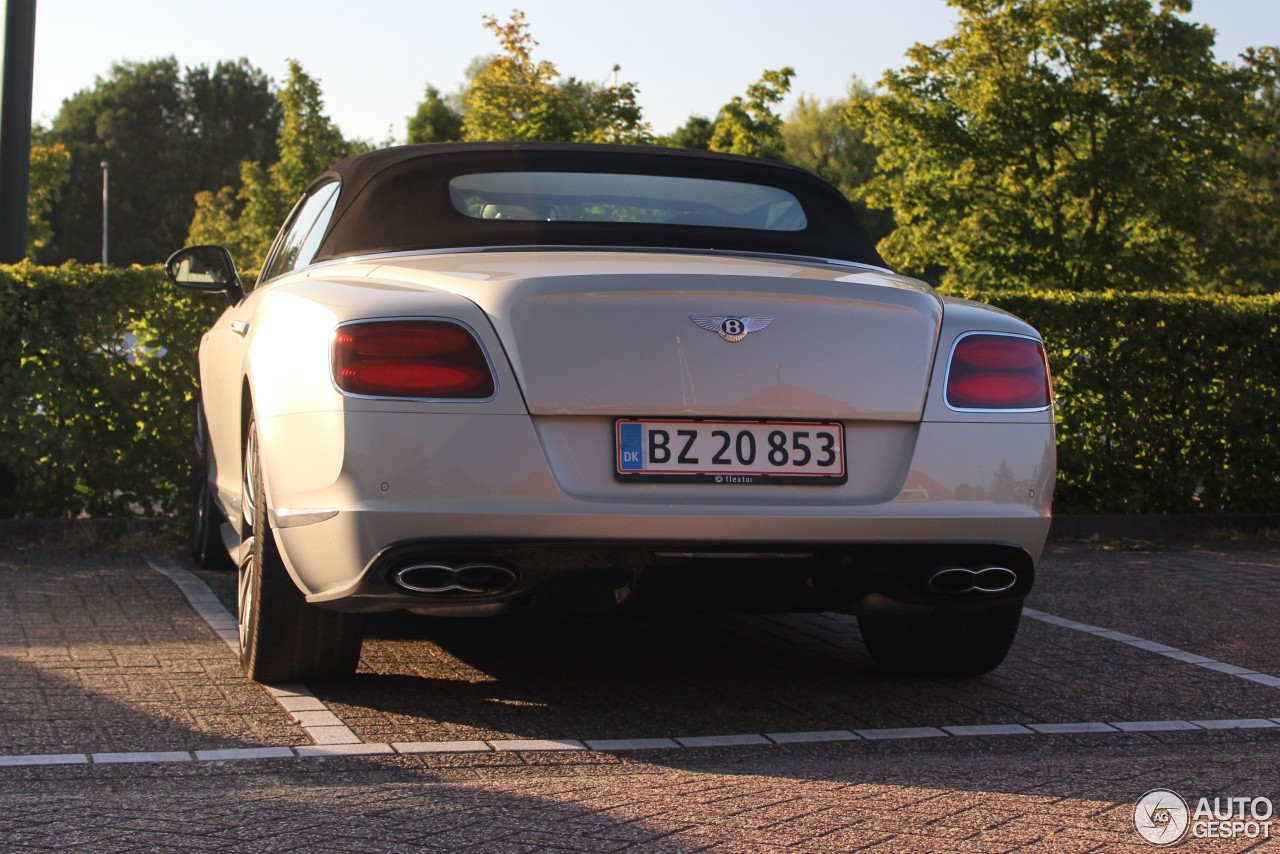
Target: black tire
{"x": 207, "y": 548}
{"x": 282, "y": 637}
{"x": 943, "y": 643}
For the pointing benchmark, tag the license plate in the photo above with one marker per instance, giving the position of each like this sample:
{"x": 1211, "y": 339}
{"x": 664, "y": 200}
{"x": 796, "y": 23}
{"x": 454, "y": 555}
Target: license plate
{"x": 730, "y": 452}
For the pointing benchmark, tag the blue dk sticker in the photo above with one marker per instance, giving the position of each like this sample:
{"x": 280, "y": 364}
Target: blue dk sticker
{"x": 631, "y": 447}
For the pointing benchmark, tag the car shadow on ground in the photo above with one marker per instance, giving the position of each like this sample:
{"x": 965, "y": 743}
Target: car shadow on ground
{"x": 656, "y": 676}
{"x": 615, "y": 677}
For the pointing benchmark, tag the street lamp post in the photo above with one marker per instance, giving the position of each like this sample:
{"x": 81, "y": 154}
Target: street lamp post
{"x": 17, "y": 58}
{"x": 105, "y": 170}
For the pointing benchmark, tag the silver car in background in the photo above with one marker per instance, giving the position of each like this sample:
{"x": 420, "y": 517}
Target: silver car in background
{"x": 476, "y": 379}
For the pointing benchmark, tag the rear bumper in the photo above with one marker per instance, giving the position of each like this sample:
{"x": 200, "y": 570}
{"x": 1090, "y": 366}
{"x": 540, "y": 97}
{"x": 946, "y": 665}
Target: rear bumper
{"x": 360, "y": 484}
{"x": 603, "y": 576}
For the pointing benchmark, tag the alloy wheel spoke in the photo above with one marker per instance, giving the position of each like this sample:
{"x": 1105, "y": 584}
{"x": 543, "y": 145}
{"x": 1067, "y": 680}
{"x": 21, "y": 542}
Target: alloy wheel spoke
{"x": 244, "y": 591}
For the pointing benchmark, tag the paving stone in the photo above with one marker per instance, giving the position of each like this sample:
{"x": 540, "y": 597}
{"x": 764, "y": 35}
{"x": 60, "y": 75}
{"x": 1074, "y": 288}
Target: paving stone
{"x": 721, "y": 740}
{"x": 811, "y": 737}
{"x": 301, "y": 704}
{"x": 633, "y": 744}
{"x": 44, "y": 759}
{"x": 522, "y": 744}
{"x": 358, "y": 749}
{"x": 1244, "y": 723}
{"x": 441, "y": 747}
{"x": 333, "y": 735}
{"x": 989, "y": 729}
{"x": 1262, "y": 679}
{"x": 239, "y": 754}
{"x": 322, "y": 719}
{"x": 141, "y": 757}
{"x": 1154, "y": 726}
{"x": 900, "y": 732}
{"x": 1071, "y": 728}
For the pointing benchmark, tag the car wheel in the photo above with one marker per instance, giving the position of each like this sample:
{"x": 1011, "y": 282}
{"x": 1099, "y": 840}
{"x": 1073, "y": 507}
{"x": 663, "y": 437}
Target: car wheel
{"x": 282, "y": 637}
{"x": 943, "y": 643}
{"x": 207, "y": 548}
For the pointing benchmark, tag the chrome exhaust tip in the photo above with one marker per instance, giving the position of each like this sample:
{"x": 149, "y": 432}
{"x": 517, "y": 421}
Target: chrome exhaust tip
{"x": 960, "y": 581}
{"x": 472, "y": 579}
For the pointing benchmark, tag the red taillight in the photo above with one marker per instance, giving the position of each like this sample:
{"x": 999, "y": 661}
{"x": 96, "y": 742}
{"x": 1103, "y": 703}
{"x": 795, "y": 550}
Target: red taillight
{"x": 411, "y": 358}
{"x": 990, "y": 371}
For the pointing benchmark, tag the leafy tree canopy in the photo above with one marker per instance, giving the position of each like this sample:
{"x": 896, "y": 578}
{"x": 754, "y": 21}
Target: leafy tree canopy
{"x": 514, "y": 97}
{"x": 309, "y": 141}
{"x": 1249, "y": 212}
{"x": 436, "y": 120}
{"x": 235, "y": 116}
{"x": 818, "y": 136}
{"x": 166, "y": 135}
{"x": 749, "y": 126}
{"x": 694, "y": 133}
{"x": 50, "y": 170}
{"x": 136, "y": 120}
{"x": 1074, "y": 144}
{"x": 308, "y": 144}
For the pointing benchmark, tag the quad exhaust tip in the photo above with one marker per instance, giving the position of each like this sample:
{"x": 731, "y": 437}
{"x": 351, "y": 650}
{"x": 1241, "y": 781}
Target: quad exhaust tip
{"x": 472, "y": 579}
{"x": 959, "y": 580}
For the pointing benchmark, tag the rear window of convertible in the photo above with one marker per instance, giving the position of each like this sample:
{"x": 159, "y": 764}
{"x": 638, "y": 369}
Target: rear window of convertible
{"x": 596, "y": 197}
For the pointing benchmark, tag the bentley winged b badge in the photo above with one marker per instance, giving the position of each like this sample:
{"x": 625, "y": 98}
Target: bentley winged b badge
{"x": 730, "y": 328}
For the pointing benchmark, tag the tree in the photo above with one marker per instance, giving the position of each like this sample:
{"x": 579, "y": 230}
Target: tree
{"x": 605, "y": 114}
{"x": 1061, "y": 143}
{"x": 514, "y": 97}
{"x": 217, "y": 220}
{"x": 511, "y": 96}
{"x": 694, "y": 133}
{"x": 50, "y": 171}
{"x": 235, "y": 116}
{"x": 435, "y": 120}
{"x": 308, "y": 144}
{"x": 136, "y": 120}
{"x": 166, "y": 136}
{"x": 819, "y": 136}
{"x": 749, "y": 125}
{"x": 1248, "y": 215}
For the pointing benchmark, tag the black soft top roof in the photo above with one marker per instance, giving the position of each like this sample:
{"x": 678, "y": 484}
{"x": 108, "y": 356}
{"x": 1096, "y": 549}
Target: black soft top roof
{"x": 398, "y": 199}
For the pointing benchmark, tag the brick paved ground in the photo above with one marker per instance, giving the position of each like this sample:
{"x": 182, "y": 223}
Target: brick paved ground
{"x": 961, "y": 797}
{"x": 100, "y": 654}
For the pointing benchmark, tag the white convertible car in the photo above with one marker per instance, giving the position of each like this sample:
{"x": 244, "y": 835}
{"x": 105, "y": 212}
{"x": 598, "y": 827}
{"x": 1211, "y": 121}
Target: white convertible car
{"x": 484, "y": 378}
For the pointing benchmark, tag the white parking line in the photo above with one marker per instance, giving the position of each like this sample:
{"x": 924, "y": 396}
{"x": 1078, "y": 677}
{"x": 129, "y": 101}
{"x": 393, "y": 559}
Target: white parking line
{"x": 316, "y": 719}
{"x": 320, "y": 751}
{"x": 1158, "y": 648}
{"x": 333, "y": 738}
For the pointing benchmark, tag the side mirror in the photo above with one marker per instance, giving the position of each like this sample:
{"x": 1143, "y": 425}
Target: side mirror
{"x": 208, "y": 269}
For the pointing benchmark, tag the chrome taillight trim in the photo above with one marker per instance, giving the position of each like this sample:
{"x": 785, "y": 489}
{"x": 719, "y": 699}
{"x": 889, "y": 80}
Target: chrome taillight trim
{"x": 484, "y": 351}
{"x": 946, "y": 382}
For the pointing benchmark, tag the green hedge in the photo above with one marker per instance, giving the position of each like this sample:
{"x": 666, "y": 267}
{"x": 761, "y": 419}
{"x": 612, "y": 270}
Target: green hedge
{"x": 1166, "y": 404}
{"x": 97, "y": 383}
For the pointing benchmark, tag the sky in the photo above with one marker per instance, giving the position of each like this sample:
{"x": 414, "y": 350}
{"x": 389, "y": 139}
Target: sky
{"x": 374, "y": 58}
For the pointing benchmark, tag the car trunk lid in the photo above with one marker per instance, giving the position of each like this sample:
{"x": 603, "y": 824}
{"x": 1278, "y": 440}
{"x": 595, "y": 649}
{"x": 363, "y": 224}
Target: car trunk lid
{"x": 636, "y": 334}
